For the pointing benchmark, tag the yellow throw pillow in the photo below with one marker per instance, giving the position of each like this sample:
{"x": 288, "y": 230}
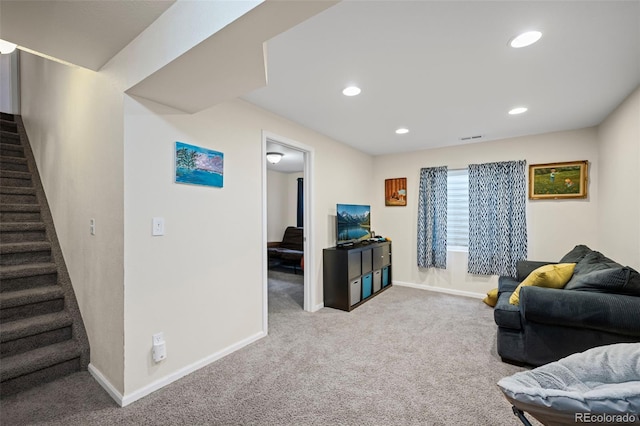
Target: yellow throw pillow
{"x": 492, "y": 297}
{"x": 552, "y": 276}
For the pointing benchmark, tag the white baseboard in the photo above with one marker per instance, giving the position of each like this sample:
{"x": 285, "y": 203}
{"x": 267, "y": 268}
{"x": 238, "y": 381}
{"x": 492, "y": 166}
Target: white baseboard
{"x": 127, "y": 399}
{"x": 318, "y": 307}
{"x": 106, "y": 384}
{"x": 440, "y": 289}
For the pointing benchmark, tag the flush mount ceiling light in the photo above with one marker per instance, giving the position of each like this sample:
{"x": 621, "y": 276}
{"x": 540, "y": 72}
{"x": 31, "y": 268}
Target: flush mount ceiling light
{"x": 7, "y": 47}
{"x": 402, "y": 131}
{"x": 525, "y": 39}
{"x": 274, "y": 157}
{"x": 351, "y": 91}
{"x": 518, "y": 110}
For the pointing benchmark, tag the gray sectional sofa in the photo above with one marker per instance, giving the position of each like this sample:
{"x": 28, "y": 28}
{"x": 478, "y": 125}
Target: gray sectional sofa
{"x": 599, "y": 305}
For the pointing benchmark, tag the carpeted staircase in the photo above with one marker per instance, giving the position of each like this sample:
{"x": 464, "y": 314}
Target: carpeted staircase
{"x": 42, "y": 336}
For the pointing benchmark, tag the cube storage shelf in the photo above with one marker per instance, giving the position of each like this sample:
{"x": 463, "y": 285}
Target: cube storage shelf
{"x": 353, "y": 275}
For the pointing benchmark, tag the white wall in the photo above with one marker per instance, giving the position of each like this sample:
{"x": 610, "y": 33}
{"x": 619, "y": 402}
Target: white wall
{"x": 73, "y": 119}
{"x": 282, "y": 203}
{"x": 277, "y": 204}
{"x": 619, "y": 183}
{"x": 554, "y": 226}
{"x": 201, "y": 283}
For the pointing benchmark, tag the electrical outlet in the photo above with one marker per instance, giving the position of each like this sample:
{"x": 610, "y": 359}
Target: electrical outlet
{"x": 158, "y": 339}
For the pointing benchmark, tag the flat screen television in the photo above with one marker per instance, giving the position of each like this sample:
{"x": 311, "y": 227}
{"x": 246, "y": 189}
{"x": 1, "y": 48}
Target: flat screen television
{"x": 353, "y": 223}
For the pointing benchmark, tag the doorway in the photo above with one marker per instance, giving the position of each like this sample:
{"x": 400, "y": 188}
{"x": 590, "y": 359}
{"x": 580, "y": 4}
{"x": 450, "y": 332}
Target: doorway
{"x": 297, "y": 161}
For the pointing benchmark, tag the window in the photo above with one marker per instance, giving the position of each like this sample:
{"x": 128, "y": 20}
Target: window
{"x": 458, "y": 209}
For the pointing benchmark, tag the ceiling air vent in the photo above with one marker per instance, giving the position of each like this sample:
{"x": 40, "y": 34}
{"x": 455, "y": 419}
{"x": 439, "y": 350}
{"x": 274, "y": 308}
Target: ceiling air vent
{"x": 470, "y": 138}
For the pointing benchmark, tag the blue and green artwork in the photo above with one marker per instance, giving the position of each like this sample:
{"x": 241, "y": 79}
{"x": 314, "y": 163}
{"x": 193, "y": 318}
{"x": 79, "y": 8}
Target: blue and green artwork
{"x": 198, "y": 166}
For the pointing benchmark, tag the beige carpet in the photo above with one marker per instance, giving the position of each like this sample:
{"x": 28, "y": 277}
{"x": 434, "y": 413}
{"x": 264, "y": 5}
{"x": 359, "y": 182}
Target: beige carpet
{"x": 407, "y": 357}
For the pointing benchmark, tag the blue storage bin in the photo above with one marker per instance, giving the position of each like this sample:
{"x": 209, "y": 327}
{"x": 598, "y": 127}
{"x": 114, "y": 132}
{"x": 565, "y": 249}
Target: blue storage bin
{"x": 367, "y": 285}
{"x": 385, "y": 276}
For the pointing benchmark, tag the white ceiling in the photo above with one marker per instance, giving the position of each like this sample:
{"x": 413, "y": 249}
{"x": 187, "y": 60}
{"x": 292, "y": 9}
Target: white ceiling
{"x": 84, "y": 33}
{"x": 292, "y": 160}
{"x": 442, "y": 69}
{"x": 445, "y": 70}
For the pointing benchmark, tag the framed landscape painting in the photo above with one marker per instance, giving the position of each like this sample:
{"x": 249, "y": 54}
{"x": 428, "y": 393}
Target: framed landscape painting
{"x": 395, "y": 192}
{"x": 199, "y": 166}
{"x": 558, "y": 180}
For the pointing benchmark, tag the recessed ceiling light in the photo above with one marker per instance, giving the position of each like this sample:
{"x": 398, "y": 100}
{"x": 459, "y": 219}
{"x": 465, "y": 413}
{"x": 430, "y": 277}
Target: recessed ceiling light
{"x": 7, "y": 47}
{"x": 351, "y": 91}
{"x": 402, "y": 131}
{"x": 525, "y": 39}
{"x": 518, "y": 110}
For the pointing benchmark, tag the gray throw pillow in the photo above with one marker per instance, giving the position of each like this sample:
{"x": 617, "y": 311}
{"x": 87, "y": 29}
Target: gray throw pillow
{"x": 610, "y": 280}
{"x": 594, "y": 261}
{"x": 576, "y": 254}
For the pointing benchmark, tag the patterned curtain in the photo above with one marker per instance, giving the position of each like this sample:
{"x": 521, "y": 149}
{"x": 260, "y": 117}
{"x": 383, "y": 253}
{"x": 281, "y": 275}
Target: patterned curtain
{"x": 432, "y": 218}
{"x": 497, "y": 217}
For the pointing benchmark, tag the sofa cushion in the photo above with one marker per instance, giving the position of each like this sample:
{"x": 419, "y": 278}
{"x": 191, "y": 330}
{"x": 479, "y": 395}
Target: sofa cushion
{"x": 576, "y": 254}
{"x": 525, "y": 267}
{"x": 507, "y": 285}
{"x": 550, "y": 276}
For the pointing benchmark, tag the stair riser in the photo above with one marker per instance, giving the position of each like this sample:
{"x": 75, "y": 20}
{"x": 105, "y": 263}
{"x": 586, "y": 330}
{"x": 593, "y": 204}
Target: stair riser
{"x": 24, "y": 236}
{"x": 28, "y": 381}
{"x": 16, "y": 167}
{"x": 20, "y": 217}
{"x": 10, "y": 181}
{"x": 23, "y": 283}
{"x": 32, "y": 309}
{"x": 9, "y": 126}
{"x": 10, "y": 150}
{"x": 10, "y": 138}
{"x": 24, "y": 344}
{"x": 18, "y": 199}
{"x": 41, "y": 256}
{"x": 7, "y": 117}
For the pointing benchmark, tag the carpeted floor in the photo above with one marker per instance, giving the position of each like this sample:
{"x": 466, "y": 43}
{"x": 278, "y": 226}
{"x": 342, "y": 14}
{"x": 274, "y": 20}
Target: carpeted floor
{"x": 407, "y": 357}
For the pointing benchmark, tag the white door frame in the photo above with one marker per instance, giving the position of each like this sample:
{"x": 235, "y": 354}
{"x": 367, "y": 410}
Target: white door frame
{"x": 309, "y": 255}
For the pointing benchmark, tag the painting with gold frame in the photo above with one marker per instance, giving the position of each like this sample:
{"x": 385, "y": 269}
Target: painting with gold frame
{"x": 558, "y": 180}
{"x": 395, "y": 192}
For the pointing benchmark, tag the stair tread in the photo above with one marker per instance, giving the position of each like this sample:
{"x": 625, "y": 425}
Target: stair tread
{"x": 17, "y": 329}
{"x": 15, "y": 174}
{"x": 19, "y": 207}
{"x": 37, "y": 359}
{"x": 11, "y": 299}
{"x": 12, "y": 159}
{"x": 21, "y": 190}
{"x": 30, "y": 269}
{"x": 24, "y": 247}
{"x": 22, "y": 226}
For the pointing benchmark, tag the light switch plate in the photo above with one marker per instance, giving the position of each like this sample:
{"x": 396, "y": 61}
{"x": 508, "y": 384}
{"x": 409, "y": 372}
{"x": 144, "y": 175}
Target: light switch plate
{"x": 158, "y": 226}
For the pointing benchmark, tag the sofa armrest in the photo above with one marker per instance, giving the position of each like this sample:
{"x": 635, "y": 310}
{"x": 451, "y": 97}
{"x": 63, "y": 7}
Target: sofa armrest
{"x": 613, "y": 313}
{"x": 525, "y": 267}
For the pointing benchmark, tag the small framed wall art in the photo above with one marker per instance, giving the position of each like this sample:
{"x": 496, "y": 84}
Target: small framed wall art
{"x": 199, "y": 166}
{"x": 558, "y": 180}
{"x": 395, "y": 192}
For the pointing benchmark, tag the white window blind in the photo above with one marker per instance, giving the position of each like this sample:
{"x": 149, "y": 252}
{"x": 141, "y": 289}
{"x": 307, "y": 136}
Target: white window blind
{"x": 457, "y": 208}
